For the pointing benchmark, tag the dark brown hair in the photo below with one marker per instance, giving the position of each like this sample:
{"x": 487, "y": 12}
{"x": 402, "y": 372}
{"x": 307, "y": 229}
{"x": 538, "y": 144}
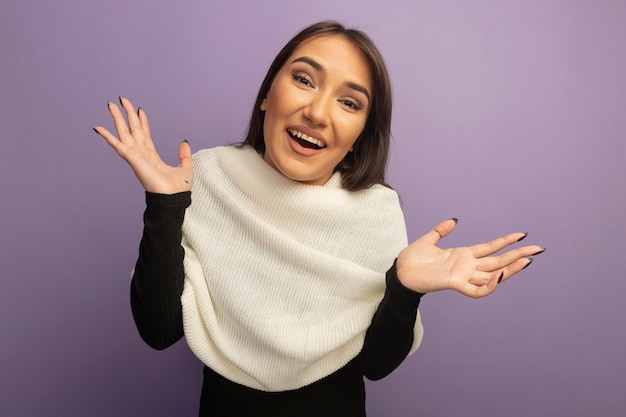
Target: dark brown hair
{"x": 365, "y": 165}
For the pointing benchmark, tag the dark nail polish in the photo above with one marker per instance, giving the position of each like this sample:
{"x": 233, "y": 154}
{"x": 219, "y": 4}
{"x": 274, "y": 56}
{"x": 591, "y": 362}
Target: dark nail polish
{"x": 455, "y": 220}
{"x": 95, "y": 130}
{"x": 523, "y": 237}
{"x": 120, "y": 97}
{"x": 541, "y": 251}
{"x": 186, "y": 141}
{"x": 138, "y": 110}
{"x": 109, "y": 105}
{"x": 530, "y": 261}
{"x": 501, "y": 276}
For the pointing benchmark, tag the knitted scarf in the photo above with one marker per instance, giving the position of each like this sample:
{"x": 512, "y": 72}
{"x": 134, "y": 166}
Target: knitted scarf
{"x": 282, "y": 278}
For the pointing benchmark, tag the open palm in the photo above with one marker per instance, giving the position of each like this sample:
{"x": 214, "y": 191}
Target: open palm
{"x": 473, "y": 270}
{"x": 135, "y": 146}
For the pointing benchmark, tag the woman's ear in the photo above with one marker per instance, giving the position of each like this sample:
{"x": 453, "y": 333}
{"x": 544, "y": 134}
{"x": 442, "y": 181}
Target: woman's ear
{"x": 264, "y": 104}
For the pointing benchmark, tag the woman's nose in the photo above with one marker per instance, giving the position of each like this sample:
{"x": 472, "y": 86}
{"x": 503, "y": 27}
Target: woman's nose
{"x": 318, "y": 110}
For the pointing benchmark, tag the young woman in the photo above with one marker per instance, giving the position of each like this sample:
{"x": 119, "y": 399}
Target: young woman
{"x": 283, "y": 260}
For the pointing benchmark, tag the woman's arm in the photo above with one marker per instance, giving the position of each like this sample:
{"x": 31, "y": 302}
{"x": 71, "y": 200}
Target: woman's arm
{"x": 422, "y": 267}
{"x": 157, "y": 282}
{"x": 158, "y": 278}
{"x": 390, "y": 336}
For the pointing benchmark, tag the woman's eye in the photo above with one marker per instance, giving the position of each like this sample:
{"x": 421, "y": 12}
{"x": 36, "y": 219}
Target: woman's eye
{"x": 302, "y": 80}
{"x": 351, "y": 104}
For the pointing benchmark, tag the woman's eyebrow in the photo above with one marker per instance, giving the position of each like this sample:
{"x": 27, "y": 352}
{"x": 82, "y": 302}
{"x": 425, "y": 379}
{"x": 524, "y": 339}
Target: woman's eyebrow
{"x": 309, "y": 61}
{"x": 359, "y": 87}
{"x": 317, "y": 66}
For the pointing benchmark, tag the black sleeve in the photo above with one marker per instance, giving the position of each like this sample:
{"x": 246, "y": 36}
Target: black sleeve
{"x": 390, "y": 336}
{"x": 157, "y": 283}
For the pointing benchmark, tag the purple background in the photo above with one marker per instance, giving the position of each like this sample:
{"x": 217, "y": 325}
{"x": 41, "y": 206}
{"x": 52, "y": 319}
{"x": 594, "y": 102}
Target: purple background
{"x": 508, "y": 115}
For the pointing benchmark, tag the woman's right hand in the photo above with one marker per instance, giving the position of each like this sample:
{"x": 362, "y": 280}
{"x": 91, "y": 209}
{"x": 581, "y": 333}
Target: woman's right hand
{"x": 136, "y": 148}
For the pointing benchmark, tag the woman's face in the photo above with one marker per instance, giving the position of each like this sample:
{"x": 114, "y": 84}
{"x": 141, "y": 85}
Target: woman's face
{"x": 316, "y": 108}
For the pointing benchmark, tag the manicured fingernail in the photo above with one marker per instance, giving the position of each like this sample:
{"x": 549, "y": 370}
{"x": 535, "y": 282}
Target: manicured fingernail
{"x": 541, "y": 251}
{"x": 455, "y": 220}
{"x": 139, "y": 110}
{"x": 530, "y": 261}
{"x": 501, "y": 276}
{"x": 109, "y": 105}
{"x": 186, "y": 141}
{"x": 523, "y": 237}
{"x": 120, "y": 97}
{"x": 95, "y": 130}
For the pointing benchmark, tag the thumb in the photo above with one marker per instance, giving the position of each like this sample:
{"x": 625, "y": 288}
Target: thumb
{"x": 442, "y": 230}
{"x": 184, "y": 154}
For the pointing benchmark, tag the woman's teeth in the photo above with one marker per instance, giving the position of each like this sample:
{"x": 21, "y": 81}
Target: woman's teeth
{"x": 305, "y": 137}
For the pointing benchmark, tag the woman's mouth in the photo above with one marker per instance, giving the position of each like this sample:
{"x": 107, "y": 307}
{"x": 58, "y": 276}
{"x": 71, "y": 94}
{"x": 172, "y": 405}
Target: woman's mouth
{"x": 305, "y": 140}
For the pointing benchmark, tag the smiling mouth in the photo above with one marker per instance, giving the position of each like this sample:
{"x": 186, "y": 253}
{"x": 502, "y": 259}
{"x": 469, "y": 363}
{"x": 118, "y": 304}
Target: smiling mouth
{"x": 305, "y": 140}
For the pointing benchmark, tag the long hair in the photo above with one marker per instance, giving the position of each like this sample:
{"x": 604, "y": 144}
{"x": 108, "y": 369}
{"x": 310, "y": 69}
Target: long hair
{"x": 365, "y": 165}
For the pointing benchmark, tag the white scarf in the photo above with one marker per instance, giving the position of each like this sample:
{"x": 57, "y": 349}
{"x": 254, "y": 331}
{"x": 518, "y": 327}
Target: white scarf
{"x": 282, "y": 278}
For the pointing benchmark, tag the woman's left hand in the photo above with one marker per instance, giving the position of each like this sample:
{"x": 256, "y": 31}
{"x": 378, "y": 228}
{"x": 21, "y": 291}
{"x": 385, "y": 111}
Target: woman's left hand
{"x": 473, "y": 271}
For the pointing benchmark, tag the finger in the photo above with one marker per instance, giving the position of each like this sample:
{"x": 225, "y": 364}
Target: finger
{"x": 490, "y": 287}
{"x": 133, "y": 119}
{"x": 481, "y": 278}
{"x": 119, "y": 121}
{"x": 143, "y": 119}
{"x": 110, "y": 138}
{"x": 485, "y": 249}
{"x": 440, "y": 231}
{"x": 184, "y": 154}
{"x": 480, "y": 291}
{"x": 515, "y": 267}
{"x": 493, "y": 263}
